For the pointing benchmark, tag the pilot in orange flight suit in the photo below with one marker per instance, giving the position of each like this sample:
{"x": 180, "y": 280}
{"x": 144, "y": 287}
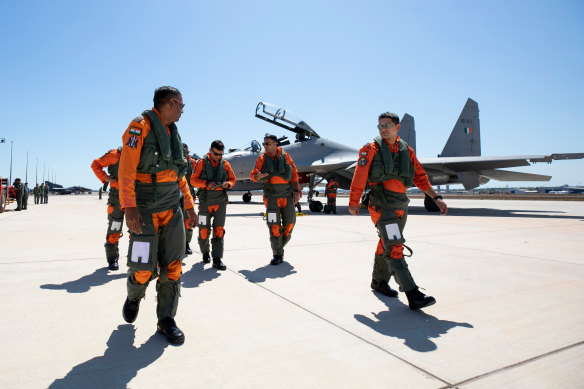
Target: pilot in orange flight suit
{"x": 277, "y": 171}
{"x": 214, "y": 176}
{"x": 151, "y": 173}
{"x": 115, "y": 215}
{"x": 191, "y": 163}
{"x": 389, "y": 166}
{"x": 331, "y": 196}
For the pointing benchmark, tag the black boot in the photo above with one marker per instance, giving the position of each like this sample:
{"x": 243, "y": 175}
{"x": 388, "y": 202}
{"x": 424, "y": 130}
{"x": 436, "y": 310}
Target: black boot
{"x": 206, "y": 258}
{"x": 188, "y": 250}
{"x": 168, "y": 328}
{"x": 276, "y": 260}
{"x": 217, "y": 264}
{"x": 113, "y": 265}
{"x": 130, "y": 310}
{"x": 383, "y": 288}
{"x": 417, "y": 299}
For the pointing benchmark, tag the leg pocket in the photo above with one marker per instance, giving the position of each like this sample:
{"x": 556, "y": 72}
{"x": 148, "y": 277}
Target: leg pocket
{"x": 142, "y": 252}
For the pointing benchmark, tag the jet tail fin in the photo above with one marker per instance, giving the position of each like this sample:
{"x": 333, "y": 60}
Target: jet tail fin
{"x": 465, "y": 138}
{"x": 407, "y": 130}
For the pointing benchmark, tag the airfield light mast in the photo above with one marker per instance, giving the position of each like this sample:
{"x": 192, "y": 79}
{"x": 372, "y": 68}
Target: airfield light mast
{"x": 11, "y": 144}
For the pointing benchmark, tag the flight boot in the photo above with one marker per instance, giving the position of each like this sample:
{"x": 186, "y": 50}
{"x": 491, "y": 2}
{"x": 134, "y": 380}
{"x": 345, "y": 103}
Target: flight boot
{"x": 383, "y": 288}
{"x": 206, "y": 258}
{"x": 417, "y": 299}
{"x": 188, "y": 250}
{"x": 168, "y": 328}
{"x": 130, "y": 310}
{"x": 276, "y": 260}
{"x": 217, "y": 264}
{"x": 113, "y": 265}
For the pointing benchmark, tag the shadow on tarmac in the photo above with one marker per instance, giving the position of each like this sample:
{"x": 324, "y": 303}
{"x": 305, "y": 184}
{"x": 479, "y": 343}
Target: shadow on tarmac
{"x": 198, "y": 275}
{"x": 82, "y": 285}
{"x": 263, "y": 273}
{"x": 416, "y": 328}
{"x": 119, "y": 364}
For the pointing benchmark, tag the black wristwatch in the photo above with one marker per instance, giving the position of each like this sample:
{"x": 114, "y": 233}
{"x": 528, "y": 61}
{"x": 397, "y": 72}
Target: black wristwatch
{"x": 438, "y": 198}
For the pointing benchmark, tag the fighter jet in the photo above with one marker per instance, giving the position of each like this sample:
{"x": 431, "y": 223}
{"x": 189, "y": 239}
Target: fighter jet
{"x": 318, "y": 158}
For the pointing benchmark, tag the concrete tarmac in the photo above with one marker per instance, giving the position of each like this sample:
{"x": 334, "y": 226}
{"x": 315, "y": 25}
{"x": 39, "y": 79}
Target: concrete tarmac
{"x": 508, "y": 277}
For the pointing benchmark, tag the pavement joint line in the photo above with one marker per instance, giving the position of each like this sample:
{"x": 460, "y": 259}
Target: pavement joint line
{"x": 427, "y": 373}
{"x": 524, "y": 362}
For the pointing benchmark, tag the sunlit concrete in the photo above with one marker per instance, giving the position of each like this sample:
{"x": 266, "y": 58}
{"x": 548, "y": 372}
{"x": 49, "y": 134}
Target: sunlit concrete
{"x": 508, "y": 277}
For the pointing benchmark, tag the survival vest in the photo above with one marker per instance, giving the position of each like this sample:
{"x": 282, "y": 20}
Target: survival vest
{"x": 160, "y": 151}
{"x": 214, "y": 173}
{"x": 392, "y": 166}
{"x": 281, "y": 168}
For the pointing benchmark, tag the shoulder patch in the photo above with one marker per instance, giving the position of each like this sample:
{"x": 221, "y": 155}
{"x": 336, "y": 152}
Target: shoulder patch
{"x": 132, "y": 142}
{"x": 138, "y": 119}
{"x": 363, "y": 161}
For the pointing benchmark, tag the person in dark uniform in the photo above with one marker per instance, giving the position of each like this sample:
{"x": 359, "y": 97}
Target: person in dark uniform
{"x": 46, "y": 194}
{"x": 19, "y": 193}
{"x": 25, "y": 196}
{"x": 37, "y": 194}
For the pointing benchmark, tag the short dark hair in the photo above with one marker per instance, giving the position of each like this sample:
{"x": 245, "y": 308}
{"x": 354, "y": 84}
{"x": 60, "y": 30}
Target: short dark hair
{"x": 217, "y": 144}
{"x": 271, "y": 137}
{"x": 185, "y": 146}
{"x": 163, "y": 94}
{"x": 389, "y": 115}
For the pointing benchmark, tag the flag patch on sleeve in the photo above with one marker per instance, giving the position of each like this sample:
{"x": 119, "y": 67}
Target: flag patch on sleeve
{"x": 135, "y": 131}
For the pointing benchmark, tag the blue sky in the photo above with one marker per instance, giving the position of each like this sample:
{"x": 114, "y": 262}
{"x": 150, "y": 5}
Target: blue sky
{"x": 74, "y": 74}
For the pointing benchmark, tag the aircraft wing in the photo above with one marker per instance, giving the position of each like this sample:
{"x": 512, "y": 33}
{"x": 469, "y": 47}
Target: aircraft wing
{"x": 478, "y": 170}
{"x": 456, "y": 164}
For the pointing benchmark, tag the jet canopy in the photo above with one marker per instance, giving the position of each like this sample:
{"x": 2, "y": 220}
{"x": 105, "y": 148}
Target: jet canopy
{"x": 285, "y": 119}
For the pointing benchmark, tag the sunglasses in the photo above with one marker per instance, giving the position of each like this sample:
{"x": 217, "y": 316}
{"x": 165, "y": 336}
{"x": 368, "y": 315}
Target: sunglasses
{"x": 386, "y": 125}
{"x": 216, "y": 154}
{"x": 181, "y": 106}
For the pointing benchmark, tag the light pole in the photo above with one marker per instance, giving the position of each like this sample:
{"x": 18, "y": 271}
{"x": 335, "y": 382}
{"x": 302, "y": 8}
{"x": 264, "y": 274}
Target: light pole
{"x": 11, "y": 143}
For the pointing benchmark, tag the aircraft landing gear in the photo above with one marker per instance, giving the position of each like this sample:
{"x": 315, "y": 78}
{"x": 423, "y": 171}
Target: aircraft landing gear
{"x": 430, "y": 204}
{"x": 246, "y": 197}
{"x": 315, "y": 206}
